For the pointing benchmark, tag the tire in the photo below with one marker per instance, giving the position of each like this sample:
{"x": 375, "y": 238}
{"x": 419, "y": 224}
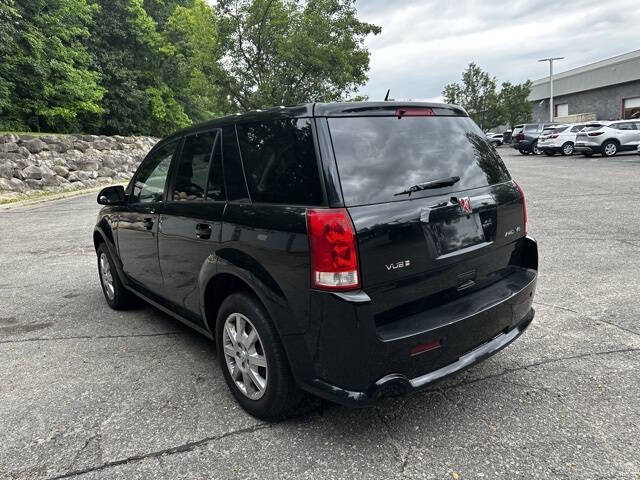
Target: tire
{"x": 609, "y": 148}
{"x": 269, "y": 369}
{"x": 535, "y": 149}
{"x": 567, "y": 149}
{"x": 116, "y": 295}
{"x": 524, "y": 152}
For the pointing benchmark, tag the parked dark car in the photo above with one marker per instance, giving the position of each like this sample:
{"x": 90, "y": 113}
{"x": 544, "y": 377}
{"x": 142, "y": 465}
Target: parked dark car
{"x": 525, "y": 137}
{"x": 350, "y": 250}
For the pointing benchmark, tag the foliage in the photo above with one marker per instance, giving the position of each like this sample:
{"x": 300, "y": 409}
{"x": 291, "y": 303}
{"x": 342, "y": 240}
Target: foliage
{"x": 477, "y": 94}
{"x": 282, "y": 52}
{"x": 515, "y": 106}
{"x": 154, "y": 66}
{"x": 52, "y": 85}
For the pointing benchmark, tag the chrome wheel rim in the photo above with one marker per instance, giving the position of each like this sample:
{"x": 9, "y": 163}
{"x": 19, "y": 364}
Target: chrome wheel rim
{"x": 610, "y": 149}
{"x": 537, "y": 151}
{"x": 106, "y": 276}
{"x": 244, "y": 356}
{"x": 568, "y": 149}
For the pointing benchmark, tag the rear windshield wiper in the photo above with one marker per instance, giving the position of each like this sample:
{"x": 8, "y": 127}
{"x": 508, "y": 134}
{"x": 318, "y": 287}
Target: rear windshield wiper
{"x": 442, "y": 182}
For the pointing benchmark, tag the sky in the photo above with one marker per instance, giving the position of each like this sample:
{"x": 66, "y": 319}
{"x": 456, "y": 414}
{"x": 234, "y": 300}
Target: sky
{"x": 426, "y": 44}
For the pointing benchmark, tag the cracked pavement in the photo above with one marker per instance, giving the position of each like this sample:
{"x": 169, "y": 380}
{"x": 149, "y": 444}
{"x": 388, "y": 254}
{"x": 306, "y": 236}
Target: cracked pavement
{"x": 90, "y": 393}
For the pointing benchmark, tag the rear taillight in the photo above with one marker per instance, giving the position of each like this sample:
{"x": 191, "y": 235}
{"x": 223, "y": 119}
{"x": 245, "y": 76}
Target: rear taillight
{"x": 333, "y": 249}
{"x": 524, "y": 208}
{"x": 554, "y": 135}
{"x": 521, "y": 136}
{"x": 594, "y": 134}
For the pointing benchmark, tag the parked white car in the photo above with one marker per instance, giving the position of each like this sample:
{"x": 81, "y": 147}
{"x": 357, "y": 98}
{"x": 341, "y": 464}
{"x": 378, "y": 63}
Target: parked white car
{"x": 610, "y": 138}
{"x": 559, "y": 139}
{"x": 495, "y": 138}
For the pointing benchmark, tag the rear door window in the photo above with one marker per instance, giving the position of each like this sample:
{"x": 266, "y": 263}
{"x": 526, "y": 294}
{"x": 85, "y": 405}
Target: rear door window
{"x": 280, "y": 162}
{"x": 193, "y": 167}
{"x": 378, "y": 157}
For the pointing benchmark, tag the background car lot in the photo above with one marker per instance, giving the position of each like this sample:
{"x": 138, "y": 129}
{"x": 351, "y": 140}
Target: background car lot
{"x": 88, "y": 393}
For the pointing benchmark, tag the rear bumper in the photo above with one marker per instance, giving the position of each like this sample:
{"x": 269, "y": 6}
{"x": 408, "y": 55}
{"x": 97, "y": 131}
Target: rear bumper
{"x": 395, "y": 384}
{"x": 523, "y": 145}
{"x": 348, "y": 360}
{"x": 587, "y": 148}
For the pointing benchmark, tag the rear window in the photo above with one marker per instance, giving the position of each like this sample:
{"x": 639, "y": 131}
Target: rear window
{"x": 378, "y": 157}
{"x": 592, "y": 128}
{"x": 280, "y": 162}
{"x": 517, "y": 129}
{"x": 560, "y": 129}
{"x": 531, "y": 128}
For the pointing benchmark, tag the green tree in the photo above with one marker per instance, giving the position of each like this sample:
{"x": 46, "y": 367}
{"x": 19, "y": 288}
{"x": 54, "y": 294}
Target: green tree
{"x": 131, "y": 55}
{"x": 281, "y": 52}
{"x": 8, "y": 20}
{"x": 477, "y": 95}
{"x": 193, "y": 46}
{"x": 514, "y": 102}
{"x": 51, "y": 84}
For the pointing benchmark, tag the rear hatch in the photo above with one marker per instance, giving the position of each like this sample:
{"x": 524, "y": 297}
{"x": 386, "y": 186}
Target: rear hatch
{"x": 436, "y": 213}
{"x": 583, "y": 135}
{"x": 517, "y": 130}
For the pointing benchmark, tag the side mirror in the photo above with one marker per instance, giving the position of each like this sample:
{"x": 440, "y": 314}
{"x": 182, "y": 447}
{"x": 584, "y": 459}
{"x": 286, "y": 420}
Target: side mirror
{"x": 113, "y": 195}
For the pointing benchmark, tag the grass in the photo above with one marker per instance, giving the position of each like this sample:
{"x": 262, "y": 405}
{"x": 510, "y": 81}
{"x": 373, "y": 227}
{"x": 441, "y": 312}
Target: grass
{"x": 37, "y": 134}
{"x": 37, "y": 197}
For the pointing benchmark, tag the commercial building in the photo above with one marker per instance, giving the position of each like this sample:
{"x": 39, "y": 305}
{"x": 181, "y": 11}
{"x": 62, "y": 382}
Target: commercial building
{"x": 605, "y": 90}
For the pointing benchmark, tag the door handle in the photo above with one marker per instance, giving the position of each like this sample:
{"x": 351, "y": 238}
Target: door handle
{"x": 148, "y": 223}
{"x": 203, "y": 231}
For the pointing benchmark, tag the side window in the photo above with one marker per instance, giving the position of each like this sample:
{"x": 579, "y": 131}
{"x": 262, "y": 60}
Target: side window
{"x": 577, "y": 129}
{"x": 193, "y": 167}
{"x": 234, "y": 177}
{"x": 623, "y": 126}
{"x": 280, "y": 162}
{"x": 215, "y": 187}
{"x": 151, "y": 177}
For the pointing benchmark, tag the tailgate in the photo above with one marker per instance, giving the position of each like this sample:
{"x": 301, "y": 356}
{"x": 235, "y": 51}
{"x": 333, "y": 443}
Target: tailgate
{"x": 428, "y": 247}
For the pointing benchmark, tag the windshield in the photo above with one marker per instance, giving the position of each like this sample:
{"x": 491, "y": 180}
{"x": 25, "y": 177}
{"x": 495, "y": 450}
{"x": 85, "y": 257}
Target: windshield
{"x": 378, "y": 157}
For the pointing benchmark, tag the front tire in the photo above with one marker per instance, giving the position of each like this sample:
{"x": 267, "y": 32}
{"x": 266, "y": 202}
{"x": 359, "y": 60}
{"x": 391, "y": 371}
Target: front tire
{"x": 609, "y": 148}
{"x": 117, "y": 297}
{"x": 252, "y": 359}
{"x": 567, "y": 149}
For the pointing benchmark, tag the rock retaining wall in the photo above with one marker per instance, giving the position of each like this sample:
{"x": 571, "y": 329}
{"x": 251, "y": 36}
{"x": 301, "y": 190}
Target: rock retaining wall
{"x": 72, "y": 162}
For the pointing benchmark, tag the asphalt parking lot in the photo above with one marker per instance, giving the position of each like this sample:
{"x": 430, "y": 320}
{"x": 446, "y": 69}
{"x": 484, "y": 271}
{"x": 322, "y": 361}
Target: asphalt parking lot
{"x": 90, "y": 393}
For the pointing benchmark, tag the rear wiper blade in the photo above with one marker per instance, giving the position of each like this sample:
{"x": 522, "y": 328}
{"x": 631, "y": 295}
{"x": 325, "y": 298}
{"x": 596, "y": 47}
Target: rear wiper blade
{"x": 442, "y": 182}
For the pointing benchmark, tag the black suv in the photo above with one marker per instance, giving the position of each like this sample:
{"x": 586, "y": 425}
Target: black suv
{"x": 525, "y": 137}
{"x": 350, "y": 250}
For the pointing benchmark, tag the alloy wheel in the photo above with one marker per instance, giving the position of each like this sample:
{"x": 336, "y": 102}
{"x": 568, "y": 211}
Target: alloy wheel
{"x": 106, "y": 276}
{"x": 245, "y": 356}
{"x": 610, "y": 149}
{"x": 567, "y": 149}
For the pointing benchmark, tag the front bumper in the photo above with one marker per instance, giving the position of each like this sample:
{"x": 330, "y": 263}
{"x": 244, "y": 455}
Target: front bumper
{"x": 581, "y": 147}
{"x": 346, "y": 359}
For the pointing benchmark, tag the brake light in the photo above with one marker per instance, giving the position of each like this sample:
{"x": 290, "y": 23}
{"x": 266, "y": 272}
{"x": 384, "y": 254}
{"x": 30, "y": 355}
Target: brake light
{"x": 594, "y": 134}
{"x": 333, "y": 250}
{"x": 554, "y": 135}
{"x": 521, "y": 136}
{"x": 414, "y": 112}
{"x": 524, "y": 207}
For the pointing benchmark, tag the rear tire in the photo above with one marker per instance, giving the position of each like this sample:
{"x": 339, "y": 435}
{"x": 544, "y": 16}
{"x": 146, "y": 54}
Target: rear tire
{"x": 116, "y": 295}
{"x": 567, "y": 149}
{"x": 535, "y": 149}
{"x": 609, "y": 148}
{"x": 253, "y": 360}
{"x": 524, "y": 152}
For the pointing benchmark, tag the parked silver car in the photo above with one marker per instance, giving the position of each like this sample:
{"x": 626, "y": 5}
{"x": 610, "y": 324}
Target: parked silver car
{"x": 608, "y": 138}
{"x": 496, "y": 139}
{"x": 559, "y": 139}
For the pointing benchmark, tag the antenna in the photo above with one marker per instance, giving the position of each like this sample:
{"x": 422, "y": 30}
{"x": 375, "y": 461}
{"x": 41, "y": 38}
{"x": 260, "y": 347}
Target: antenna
{"x": 386, "y": 97}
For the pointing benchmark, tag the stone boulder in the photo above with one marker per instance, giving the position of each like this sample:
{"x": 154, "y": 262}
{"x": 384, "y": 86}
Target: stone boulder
{"x": 18, "y": 185}
{"x": 34, "y": 184}
{"x": 9, "y": 147}
{"x": 5, "y": 185}
{"x": 101, "y": 145}
{"x": 33, "y": 172}
{"x": 9, "y": 138}
{"x": 106, "y": 172}
{"x": 61, "y": 171}
{"x": 6, "y": 169}
{"x": 35, "y": 145}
